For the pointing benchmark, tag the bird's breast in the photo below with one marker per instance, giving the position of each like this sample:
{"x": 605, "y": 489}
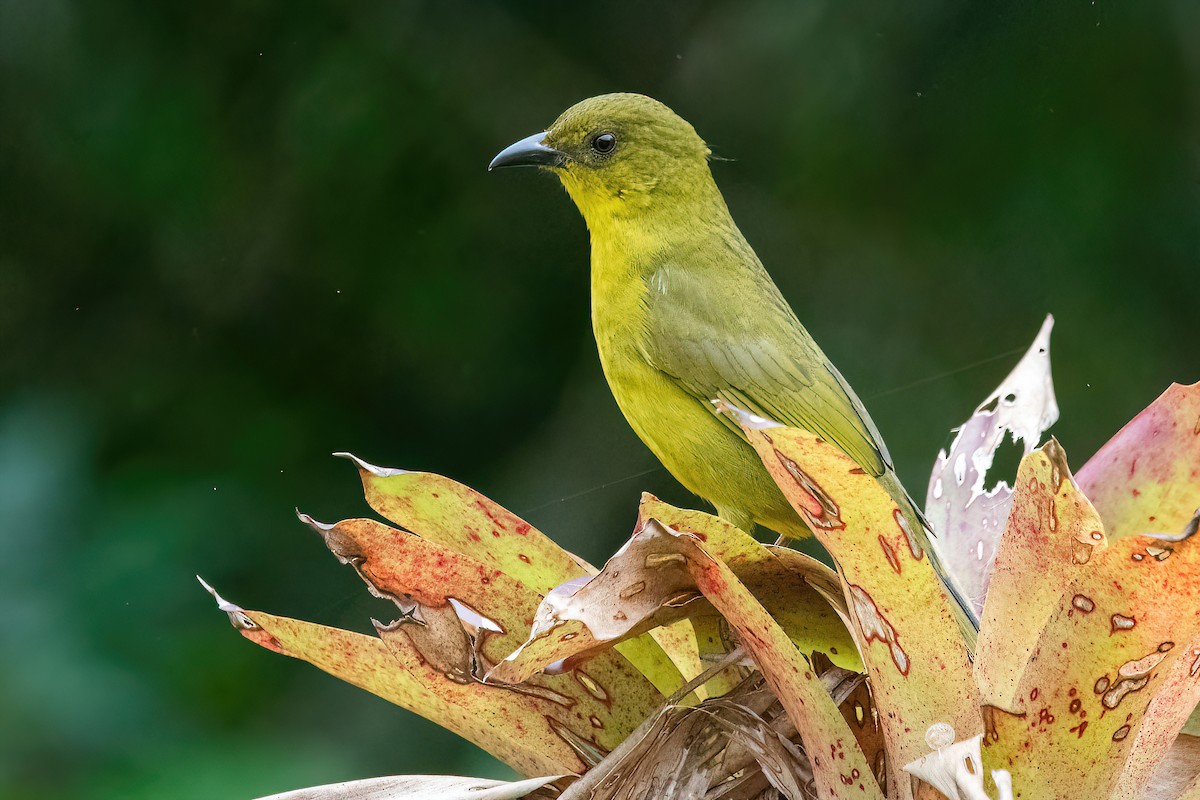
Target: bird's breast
{"x": 682, "y": 432}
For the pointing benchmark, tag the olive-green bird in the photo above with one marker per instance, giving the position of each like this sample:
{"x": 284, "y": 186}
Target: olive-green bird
{"x": 684, "y": 312}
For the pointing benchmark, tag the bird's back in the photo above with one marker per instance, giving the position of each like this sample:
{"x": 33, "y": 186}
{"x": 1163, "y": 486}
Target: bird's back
{"x": 719, "y": 327}
{"x": 684, "y": 319}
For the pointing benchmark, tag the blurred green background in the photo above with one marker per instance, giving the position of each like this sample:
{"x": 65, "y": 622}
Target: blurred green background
{"x": 235, "y": 237}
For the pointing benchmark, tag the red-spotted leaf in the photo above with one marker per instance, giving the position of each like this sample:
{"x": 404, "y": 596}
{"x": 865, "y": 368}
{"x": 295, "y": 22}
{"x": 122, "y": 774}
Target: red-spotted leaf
{"x": 1106, "y": 664}
{"x": 625, "y": 599}
{"x": 460, "y": 518}
{"x": 907, "y": 631}
{"x": 463, "y": 616}
{"x": 1051, "y": 534}
{"x": 1161, "y": 724}
{"x": 507, "y": 725}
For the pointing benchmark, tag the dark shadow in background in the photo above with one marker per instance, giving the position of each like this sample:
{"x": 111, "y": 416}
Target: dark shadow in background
{"x": 235, "y": 237}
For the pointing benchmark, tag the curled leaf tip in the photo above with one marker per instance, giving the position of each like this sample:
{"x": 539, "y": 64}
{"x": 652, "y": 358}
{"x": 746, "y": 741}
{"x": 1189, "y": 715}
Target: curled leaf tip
{"x": 320, "y": 527}
{"x": 379, "y": 472}
{"x": 472, "y": 620}
{"x": 237, "y": 617}
{"x": 1188, "y": 531}
{"x": 743, "y": 417}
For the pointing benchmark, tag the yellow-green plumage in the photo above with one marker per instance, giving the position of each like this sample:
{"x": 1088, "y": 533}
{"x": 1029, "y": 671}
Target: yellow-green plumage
{"x": 684, "y": 312}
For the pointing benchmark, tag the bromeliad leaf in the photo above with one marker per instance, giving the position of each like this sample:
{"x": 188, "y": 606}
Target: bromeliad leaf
{"x": 423, "y": 787}
{"x": 1158, "y": 743}
{"x": 629, "y": 597}
{"x": 457, "y": 616}
{"x": 460, "y": 518}
{"x": 966, "y": 517}
{"x": 1051, "y": 534}
{"x": 907, "y": 633}
{"x": 366, "y": 662}
{"x": 1146, "y": 479}
{"x": 657, "y": 564}
{"x": 1117, "y": 645}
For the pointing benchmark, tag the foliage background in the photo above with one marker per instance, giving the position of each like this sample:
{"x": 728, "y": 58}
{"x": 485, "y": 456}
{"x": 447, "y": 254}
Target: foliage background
{"x": 235, "y": 237}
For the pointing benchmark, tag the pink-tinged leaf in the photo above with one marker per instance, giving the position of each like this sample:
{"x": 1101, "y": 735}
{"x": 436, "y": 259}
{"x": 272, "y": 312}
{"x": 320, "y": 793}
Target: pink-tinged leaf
{"x": 626, "y": 599}
{"x": 967, "y": 518}
{"x": 509, "y": 726}
{"x": 1148, "y": 761}
{"x": 461, "y": 616}
{"x": 1051, "y": 534}
{"x": 424, "y": 787}
{"x": 908, "y": 635}
{"x": 460, "y": 518}
{"x": 1106, "y": 659}
{"x": 1146, "y": 479}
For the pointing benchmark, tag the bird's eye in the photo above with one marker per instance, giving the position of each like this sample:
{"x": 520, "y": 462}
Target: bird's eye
{"x": 603, "y": 143}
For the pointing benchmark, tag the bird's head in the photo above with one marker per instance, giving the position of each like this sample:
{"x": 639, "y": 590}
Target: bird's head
{"x": 617, "y": 153}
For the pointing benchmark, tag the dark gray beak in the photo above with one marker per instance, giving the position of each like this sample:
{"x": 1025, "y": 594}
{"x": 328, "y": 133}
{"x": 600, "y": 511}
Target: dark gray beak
{"x": 529, "y": 152}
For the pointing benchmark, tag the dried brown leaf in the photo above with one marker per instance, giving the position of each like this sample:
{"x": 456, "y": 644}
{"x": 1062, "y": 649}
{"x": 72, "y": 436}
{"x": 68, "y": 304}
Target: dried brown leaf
{"x": 460, "y": 518}
{"x": 626, "y": 599}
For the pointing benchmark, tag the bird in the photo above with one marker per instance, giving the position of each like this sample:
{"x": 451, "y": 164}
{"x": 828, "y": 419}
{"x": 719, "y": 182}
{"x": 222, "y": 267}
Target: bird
{"x": 684, "y": 312}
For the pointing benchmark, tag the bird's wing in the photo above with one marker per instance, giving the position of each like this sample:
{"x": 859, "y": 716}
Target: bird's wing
{"x": 765, "y": 363}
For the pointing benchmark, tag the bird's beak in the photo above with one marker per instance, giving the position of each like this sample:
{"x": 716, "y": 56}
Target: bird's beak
{"x": 532, "y": 151}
